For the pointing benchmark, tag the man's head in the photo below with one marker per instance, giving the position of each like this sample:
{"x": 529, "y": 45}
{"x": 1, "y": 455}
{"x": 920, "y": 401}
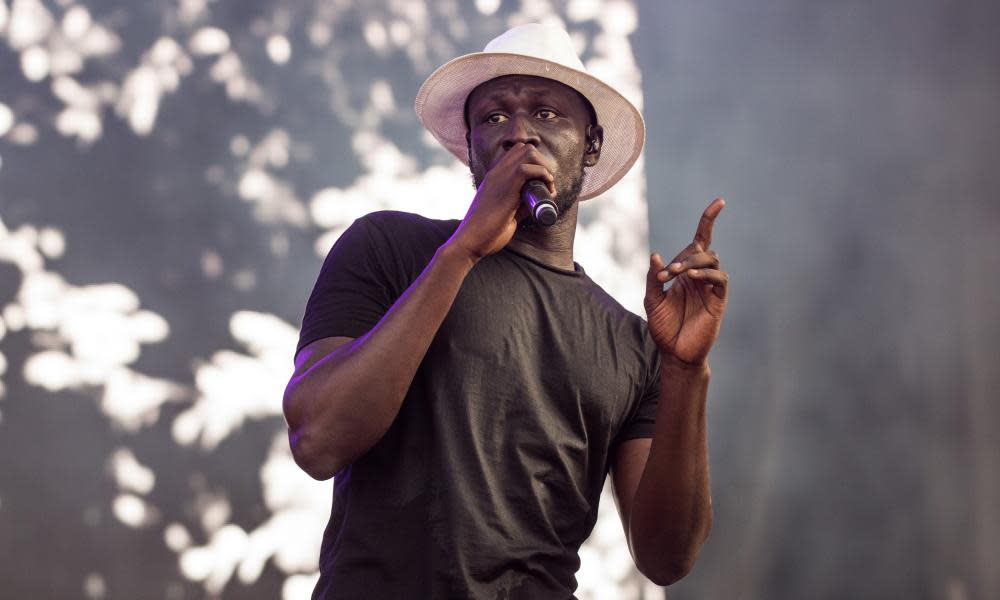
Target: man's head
{"x": 535, "y": 52}
{"x": 549, "y": 115}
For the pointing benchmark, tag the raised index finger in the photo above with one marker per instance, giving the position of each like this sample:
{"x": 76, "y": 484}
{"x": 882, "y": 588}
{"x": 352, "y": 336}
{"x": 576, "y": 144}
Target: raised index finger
{"x": 704, "y": 234}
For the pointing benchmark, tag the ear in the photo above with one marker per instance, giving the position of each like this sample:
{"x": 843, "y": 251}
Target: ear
{"x": 595, "y": 139}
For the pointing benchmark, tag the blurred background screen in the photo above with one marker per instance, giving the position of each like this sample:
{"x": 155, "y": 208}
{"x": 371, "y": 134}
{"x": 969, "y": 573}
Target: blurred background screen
{"x": 173, "y": 173}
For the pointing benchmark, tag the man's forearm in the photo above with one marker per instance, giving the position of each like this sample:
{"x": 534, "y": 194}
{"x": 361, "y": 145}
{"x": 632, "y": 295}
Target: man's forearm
{"x": 672, "y": 508}
{"x": 345, "y": 402}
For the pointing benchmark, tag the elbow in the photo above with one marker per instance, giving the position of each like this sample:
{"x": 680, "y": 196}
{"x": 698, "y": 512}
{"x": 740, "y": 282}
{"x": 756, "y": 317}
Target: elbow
{"x": 671, "y": 565}
{"x": 311, "y": 453}
{"x": 316, "y": 462}
{"x": 669, "y": 573}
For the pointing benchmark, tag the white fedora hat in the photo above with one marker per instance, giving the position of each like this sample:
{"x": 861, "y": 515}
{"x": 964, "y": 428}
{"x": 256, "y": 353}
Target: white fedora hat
{"x": 542, "y": 51}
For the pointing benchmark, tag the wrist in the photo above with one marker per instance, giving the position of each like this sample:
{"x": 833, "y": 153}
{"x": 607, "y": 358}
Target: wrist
{"x": 669, "y": 363}
{"x": 453, "y": 253}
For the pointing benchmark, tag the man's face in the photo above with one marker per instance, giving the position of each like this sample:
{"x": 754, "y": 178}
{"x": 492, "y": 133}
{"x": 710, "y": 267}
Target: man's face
{"x": 533, "y": 110}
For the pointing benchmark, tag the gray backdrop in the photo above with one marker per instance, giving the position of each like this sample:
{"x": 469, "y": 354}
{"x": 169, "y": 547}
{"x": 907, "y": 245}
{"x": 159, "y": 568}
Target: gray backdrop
{"x": 854, "y": 407}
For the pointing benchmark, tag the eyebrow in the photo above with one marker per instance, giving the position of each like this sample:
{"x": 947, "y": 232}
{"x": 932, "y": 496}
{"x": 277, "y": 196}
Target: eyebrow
{"x": 497, "y": 96}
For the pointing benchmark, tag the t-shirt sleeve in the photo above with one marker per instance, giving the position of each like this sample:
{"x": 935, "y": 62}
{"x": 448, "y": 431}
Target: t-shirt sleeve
{"x": 352, "y": 291}
{"x": 643, "y": 419}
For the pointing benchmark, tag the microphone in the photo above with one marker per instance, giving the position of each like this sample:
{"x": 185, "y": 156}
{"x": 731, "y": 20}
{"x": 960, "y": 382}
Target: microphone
{"x": 535, "y": 195}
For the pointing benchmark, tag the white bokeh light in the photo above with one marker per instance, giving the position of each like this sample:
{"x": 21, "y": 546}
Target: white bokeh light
{"x": 279, "y": 49}
{"x": 176, "y": 537}
{"x": 30, "y": 23}
{"x": 133, "y": 511}
{"x": 487, "y": 7}
{"x": 35, "y": 63}
{"x": 94, "y": 586}
{"x": 76, "y": 22}
{"x": 6, "y": 119}
{"x": 375, "y": 35}
{"x": 130, "y": 474}
{"x": 208, "y": 41}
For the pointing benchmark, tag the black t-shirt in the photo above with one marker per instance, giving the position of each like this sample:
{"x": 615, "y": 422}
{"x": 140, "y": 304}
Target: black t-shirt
{"x": 488, "y": 481}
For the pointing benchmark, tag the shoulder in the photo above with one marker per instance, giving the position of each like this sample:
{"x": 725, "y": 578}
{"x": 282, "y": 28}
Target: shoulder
{"x": 394, "y": 229}
{"x": 397, "y": 244}
{"x": 399, "y": 222}
{"x": 609, "y": 304}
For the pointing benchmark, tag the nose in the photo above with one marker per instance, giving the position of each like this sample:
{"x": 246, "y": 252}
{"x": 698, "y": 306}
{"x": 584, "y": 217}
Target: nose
{"x": 520, "y": 130}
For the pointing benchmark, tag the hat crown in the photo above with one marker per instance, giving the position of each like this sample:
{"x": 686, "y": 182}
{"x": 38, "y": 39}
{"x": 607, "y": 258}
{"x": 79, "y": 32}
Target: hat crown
{"x": 541, "y": 41}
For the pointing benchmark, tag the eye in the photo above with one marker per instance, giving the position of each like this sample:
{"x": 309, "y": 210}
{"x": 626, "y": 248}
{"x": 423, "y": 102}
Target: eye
{"x": 496, "y": 118}
{"x": 546, "y": 114}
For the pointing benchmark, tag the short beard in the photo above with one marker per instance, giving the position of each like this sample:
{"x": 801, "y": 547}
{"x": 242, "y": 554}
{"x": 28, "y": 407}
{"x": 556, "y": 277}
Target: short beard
{"x": 566, "y": 194}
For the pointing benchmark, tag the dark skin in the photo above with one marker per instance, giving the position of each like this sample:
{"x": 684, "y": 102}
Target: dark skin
{"x": 525, "y": 128}
{"x": 346, "y": 392}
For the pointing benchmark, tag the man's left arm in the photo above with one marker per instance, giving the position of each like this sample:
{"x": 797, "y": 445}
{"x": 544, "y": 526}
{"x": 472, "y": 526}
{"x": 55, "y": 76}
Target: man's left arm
{"x": 662, "y": 485}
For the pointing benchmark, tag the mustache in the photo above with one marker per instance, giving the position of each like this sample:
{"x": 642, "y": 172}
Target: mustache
{"x": 567, "y": 191}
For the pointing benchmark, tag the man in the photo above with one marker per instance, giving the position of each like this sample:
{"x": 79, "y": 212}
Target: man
{"x": 468, "y": 384}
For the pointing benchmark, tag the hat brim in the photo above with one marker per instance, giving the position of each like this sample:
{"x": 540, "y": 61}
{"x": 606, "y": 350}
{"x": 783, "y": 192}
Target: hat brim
{"x": 440, "y": 105}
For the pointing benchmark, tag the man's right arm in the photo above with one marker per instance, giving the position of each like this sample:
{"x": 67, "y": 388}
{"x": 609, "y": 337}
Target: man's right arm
{"x": 345, "y": 393}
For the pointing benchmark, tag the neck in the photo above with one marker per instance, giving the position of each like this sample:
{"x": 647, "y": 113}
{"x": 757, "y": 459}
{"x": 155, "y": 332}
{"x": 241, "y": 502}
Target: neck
{"x": 550, "y": 245}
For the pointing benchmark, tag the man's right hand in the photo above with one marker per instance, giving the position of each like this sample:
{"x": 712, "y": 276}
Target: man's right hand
{"x": 496, "y": 210}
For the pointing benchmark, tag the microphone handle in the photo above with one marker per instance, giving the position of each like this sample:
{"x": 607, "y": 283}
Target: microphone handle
{"x": 535, "y": 195}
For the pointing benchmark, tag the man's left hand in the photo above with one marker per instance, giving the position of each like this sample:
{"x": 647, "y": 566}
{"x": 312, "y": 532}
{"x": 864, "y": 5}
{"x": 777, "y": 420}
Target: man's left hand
{"x": 684, "y": 319}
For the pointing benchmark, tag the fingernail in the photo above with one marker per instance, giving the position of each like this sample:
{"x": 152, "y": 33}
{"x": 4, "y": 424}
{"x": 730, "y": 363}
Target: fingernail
{"x": 675, "y": 265}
